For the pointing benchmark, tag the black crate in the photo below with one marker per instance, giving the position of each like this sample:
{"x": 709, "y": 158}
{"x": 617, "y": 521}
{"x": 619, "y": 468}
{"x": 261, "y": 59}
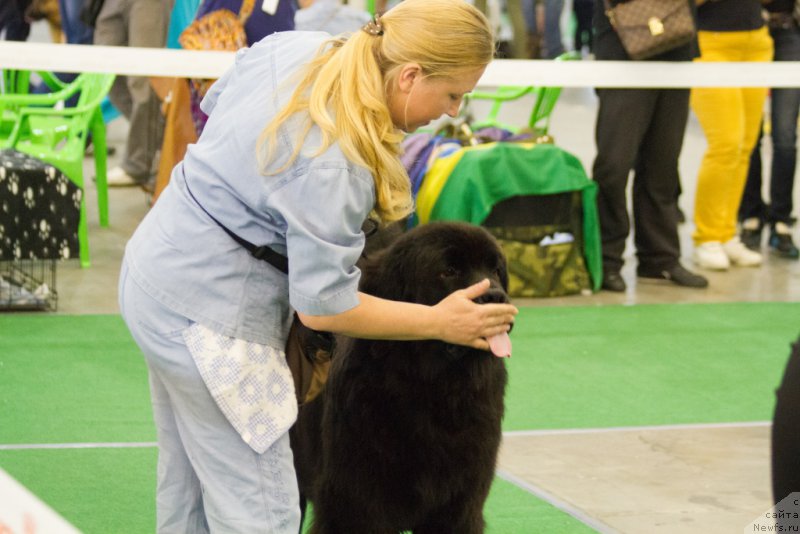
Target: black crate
{"x": 28, "y": 285}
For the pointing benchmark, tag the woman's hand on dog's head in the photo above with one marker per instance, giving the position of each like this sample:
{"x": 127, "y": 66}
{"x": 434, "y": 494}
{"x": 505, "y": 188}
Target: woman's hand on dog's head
{"x": 464, "y": 322}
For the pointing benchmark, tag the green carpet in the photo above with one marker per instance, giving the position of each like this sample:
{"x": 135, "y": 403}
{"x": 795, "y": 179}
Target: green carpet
{"x": 112, "y": 491}
{"x": 579, "y": 367}
{"x": 72, "y": 379}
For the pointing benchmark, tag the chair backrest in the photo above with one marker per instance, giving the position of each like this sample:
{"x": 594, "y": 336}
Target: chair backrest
{"x": 499, "y": 97}
{"x": 545, "y": 99}
{"x": 16, "y": 81}
{"x": 54, "y": 124}
{"x": 93, "y": 89}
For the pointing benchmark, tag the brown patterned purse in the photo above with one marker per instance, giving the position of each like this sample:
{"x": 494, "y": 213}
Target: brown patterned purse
{"x": 650, "y": 27}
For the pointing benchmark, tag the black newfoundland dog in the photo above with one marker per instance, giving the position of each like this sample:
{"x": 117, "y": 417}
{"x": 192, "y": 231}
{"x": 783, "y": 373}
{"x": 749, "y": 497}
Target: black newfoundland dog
{"x": 405, "y": 435}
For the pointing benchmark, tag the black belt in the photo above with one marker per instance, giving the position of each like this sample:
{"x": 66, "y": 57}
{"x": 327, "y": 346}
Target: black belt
{"x": 262, "y": 252}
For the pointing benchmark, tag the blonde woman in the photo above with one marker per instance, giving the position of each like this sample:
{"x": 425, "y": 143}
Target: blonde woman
{"x": 300, "y": 148}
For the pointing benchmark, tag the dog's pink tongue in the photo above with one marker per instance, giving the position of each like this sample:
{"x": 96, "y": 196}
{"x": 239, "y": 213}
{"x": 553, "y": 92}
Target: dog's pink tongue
{"x": 500, "y": 345}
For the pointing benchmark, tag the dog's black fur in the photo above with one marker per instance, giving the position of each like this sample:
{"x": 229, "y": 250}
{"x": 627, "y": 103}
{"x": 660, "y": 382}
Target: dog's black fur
{"x": 405, "y": 435}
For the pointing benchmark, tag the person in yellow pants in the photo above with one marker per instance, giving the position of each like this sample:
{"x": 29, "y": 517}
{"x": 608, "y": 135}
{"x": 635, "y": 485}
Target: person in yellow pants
{"x": 730, "y": 30}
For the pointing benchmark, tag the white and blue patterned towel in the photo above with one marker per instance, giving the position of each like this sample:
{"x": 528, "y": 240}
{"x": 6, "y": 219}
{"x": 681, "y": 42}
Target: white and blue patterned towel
{"x": 251, "y": 383}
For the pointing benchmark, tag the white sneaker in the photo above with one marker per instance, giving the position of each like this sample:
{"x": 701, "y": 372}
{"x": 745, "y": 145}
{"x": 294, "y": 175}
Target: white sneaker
{"x": 711, "y": 255}
{"x": 740, "y": 255}
{"x": 117, "y": 177}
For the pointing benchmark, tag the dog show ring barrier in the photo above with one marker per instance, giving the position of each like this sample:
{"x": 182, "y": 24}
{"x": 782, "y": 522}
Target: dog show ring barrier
{"x": 172, "y": 63}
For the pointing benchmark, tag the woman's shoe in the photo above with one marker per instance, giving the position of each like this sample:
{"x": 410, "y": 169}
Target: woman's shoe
{"x": 780, "y": 241}
{"x": 751, "y": 233}
{"x": 711, "y": 255}
{"x": 740, "y": 255}
{"x": 117, "y": 177}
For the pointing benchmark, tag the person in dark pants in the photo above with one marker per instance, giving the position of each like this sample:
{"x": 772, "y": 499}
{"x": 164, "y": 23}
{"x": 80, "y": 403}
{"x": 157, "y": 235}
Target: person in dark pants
{"x": 754, "y": 213}
{"x": 786, "y": 431}
{"x": 13, "y": 25}
{"x": 136, "y": 23}
{"x": 583, "y": 23}
{"x": 640, "y": 130}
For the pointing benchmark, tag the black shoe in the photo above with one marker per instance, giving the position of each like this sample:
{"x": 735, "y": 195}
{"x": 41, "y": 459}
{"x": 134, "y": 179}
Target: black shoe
{"x": 751, "y": 234}
{"x": 781, "y": 242}
{"x": 678, "y": 275}
{"x": 612, "y": 281}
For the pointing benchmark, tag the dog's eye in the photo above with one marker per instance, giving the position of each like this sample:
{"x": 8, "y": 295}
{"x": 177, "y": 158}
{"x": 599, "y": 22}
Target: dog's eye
{"x": 450, "y": 272}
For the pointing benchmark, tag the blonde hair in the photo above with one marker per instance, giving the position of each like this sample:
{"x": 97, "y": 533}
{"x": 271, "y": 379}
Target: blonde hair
{"x": 343, "y": 90}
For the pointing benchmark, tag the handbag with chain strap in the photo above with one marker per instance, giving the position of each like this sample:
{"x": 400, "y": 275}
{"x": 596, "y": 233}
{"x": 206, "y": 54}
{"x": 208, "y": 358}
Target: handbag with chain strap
{"x": 650, "y": 27}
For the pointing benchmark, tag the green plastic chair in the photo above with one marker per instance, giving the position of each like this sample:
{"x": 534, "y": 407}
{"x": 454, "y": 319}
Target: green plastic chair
{"x": 57, "y": 135}
{"x": 545, "y": 99}
{"x": 17, "y": 82}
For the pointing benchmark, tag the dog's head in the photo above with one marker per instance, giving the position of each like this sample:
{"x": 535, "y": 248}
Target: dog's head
{"x": 429, "y": 262}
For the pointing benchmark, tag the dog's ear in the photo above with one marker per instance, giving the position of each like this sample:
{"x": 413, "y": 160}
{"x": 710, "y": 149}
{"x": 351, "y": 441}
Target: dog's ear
{"x": 371, "y": 272}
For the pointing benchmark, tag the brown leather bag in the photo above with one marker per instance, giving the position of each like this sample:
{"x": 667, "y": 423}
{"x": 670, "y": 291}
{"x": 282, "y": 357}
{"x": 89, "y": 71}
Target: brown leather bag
{"x": 651, "y": 27}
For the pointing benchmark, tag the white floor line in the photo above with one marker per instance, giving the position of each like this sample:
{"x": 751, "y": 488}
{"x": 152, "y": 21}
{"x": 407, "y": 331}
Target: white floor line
{"x": 511, "y": 433}
{"x": 564, "y": 506}
{"x": 111, "y": 445}
{"x": 698, "y": 426}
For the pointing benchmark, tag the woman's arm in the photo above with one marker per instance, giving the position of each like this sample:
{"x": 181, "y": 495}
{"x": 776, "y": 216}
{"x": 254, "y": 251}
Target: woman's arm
{"x": 456, "y": 319}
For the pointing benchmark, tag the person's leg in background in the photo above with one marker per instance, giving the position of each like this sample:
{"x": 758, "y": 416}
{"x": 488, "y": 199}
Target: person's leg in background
{"x": 760, "y": 48}
{"x": 529, "y": 11}
{"x": 12, "y": 20}
{"x": 583, "y": 10}
{"x": 753, "y": 209}
{"x": 721, "y": 116}
{"x": 519, "y": 27}
{"x": 553, "y": 43}
{"x": 111, "y": 29}
{"x": 622, "y": 118}
{"x": 784, "y": 115}
{"x": 139, "y": 23}
{"x": 75, "y": 31}
{"x": 148, "y": 23}
{"x": 730, "y": 118}
{"x": 655, "y": 186}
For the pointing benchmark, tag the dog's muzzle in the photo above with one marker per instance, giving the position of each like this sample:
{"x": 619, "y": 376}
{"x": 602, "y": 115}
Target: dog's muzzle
{"x": 493, "y": 296}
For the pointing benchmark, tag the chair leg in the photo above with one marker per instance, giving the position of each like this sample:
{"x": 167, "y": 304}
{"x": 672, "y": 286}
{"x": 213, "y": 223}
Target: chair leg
{"x": 100, "y": 165}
